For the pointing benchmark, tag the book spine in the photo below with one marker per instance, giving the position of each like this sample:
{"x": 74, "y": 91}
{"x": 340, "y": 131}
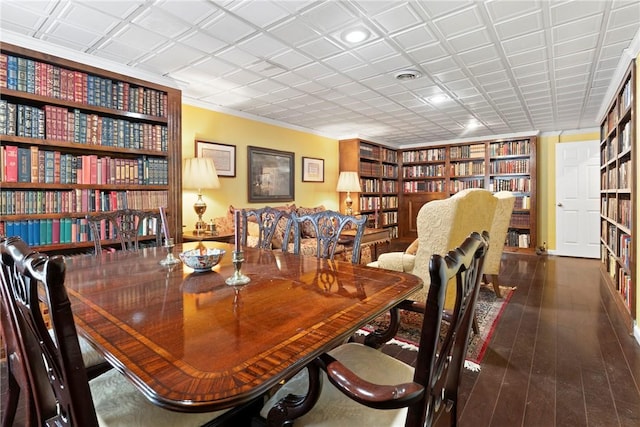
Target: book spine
{"x": 11, "y": 169}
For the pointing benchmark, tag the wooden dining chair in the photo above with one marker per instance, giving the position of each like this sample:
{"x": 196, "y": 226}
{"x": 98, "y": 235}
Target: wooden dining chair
{"x": 51, "y": 364}
{"x": 266, "y": 220}
{"x": 17, "y": 384}
{"x": 126, "y": 226}
{"x": 350, "y": 384}
{"x": 326, "y": 226}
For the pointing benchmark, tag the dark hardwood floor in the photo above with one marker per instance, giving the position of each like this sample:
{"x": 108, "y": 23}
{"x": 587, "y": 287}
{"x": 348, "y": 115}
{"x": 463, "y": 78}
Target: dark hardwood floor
{"x": 560, "y": 355}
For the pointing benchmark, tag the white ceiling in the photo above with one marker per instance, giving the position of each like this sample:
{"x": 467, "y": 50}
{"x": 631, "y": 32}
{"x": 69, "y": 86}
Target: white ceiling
{"x": 512, "y": 66}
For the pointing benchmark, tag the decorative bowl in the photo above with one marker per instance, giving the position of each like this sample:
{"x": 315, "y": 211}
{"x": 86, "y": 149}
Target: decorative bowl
{"x": 202, "y": 260}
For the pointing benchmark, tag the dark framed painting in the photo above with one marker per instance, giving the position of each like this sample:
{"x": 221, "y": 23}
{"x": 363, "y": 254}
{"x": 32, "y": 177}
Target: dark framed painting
{"x": 271, "y": 175}
{"x": 312, "y": 169}
{"x": 223, "y": 155}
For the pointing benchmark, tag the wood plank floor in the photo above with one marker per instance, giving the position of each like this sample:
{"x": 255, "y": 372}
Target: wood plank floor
{"x": 560, "y": 355}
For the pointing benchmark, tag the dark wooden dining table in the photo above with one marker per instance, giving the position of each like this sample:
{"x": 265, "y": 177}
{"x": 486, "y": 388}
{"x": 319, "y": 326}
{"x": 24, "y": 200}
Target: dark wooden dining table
{"x": 192, "y": 343}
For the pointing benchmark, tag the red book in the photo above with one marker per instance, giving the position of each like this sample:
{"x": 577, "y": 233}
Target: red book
{"x": 93, "y": 169}
{"x": 55, "y": 231}
{"x": 11, "y": 166}
{"x": 56, "y": 167}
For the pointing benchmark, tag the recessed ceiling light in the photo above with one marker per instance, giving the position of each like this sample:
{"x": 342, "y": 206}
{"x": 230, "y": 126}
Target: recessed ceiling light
{"x": 356, "y": 35}
{"x": 473, "y": 123}
{"x": 438, "y": 99}
{"x": 404, "y": 75}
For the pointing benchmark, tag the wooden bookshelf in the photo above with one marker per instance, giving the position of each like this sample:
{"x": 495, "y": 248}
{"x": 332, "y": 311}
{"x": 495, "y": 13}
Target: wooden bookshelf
{"x": 377, "y": 167}
{"x": 77, "y": 140}
{"x": 617, "y": 195}
{"x": 438, "y": 172}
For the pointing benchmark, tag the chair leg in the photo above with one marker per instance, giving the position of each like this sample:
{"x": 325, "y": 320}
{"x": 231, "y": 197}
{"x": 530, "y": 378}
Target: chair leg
{"x": 493, "y": 278}
{"x": 11, "y": 403}
{"x": 474, "y": 325}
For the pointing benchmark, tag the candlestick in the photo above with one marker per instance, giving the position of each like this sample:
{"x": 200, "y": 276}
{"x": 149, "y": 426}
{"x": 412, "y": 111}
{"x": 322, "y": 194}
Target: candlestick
{"x": 170, "y": 259}
{"x": 236, "y": 222}
{"x": 237, "y": 278}
{"x": 165, "y": 227}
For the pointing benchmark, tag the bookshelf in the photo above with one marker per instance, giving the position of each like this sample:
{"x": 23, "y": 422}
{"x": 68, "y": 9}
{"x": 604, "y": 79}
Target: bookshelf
{"x": 617, "y": 195}
{"x": 378, "y": 168}
{"x": 77, "y": 140}
{"x": 438, "y": 172}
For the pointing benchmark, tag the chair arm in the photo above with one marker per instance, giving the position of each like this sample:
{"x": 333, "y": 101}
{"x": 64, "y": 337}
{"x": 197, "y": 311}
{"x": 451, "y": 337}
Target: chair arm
{"x": 396, "y": 261}
{"x": 366, "y": 393}
{"x": 415, "y": 306}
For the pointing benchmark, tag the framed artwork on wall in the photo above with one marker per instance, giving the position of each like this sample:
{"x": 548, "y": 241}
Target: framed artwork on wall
{"x": 223, "y": 155}
{"x": 312, "y": 169}
{"x": 271, "y": 175}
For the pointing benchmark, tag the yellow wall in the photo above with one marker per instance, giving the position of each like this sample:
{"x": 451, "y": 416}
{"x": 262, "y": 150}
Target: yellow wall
{"x": 546, "y": 182}
{"x": 202, "y": 124}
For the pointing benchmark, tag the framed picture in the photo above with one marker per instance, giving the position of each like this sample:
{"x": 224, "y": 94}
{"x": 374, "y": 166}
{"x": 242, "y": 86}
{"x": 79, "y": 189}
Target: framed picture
{"x": 312, "y": 169}
{"x": 223, "y": 155}
{"x": 271, "y": 174}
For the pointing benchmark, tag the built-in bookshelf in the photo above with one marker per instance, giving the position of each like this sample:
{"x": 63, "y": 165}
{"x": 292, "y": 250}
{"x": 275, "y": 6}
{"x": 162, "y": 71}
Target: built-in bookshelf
{"x": 378, "y": 169}
{"x": 440, "y": 171}
{"x": 617, "y": 195}
{"x": 77, "y": 140}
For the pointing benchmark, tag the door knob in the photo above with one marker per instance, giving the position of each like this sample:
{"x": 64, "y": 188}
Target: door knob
{"x": 560, "y": 205}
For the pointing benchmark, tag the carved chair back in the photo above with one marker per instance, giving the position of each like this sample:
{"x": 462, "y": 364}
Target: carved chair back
{"x": 126, "y": 226}
{"x": 440, "y": 360}
{"x": 267, "y": 219}
{"x": 51, "y": 363}
{"x": 326, "y": 226}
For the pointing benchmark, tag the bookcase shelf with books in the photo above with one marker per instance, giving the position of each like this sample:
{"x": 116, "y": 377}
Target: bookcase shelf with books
{"x": 378, "y": 169}
{"x": 77, "y": 140}
{"x": 617, "y": 195}
{"x": 438, "y": 172}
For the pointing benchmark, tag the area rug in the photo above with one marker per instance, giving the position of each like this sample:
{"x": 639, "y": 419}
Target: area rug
{"x": 489, "y": 308}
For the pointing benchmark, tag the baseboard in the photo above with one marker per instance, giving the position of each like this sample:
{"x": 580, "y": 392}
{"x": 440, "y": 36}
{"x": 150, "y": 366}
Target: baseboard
{"x": 636, "y": 333}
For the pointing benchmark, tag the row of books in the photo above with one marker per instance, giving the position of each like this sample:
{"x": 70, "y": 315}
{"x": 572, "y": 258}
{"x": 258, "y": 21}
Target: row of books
{"x": 40, "y": 78}
{"x": 61, "y": 124}
{"x": 432, "y": 186}
{"x": 370, "y": 151}
{"x": 522, "y": 202}
{"x": 624, "y": 249}
{"x": 510, "y": 166}
{"x": 518, "y": 240}
{"x": 370, "y": 169}
{"x": 388, "y": 218}
{"x": 427, "y": 155}
{"x": 41, "y": 232}
{"x": 81, "y": 201}
{"x": 389, "y": 171}
{"x": 423, "y": 170}
{"x": 466, "y": 168}
{"x": 513, "y": 184}
{"x": 387, "y": 155}
{"x": 369, "y": 185}
{"x": 510, "y": 148}
{"x": 625, "y": 287}
{"x": 625, "y": 216}
{"x": 467, "y": 151}
{"x": 520, "y": 220}
{"x": 370, "y": 203}
{"x": 34, "y": 165}
{"x": 456, "y": 185}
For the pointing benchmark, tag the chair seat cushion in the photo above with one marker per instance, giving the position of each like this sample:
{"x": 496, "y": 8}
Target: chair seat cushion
{"x": 334, "y": 408}
{"x": 90, "y": 356}
{"x": 119, "y": 403}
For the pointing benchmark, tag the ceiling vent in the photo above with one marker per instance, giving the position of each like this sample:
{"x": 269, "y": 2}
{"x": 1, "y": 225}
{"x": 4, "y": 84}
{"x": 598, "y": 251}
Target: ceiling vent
{"x": 405, "y": 75}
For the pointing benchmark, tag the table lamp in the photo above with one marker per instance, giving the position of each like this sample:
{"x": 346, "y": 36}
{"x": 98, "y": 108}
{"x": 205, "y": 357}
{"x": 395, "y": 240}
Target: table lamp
{"x": 199, "y": 173}
{"x": 348, "y": 181}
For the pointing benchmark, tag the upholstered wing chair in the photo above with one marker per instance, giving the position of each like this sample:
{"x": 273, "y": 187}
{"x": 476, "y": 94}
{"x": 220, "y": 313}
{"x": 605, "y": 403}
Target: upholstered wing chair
{"x": 442, "y": 226}
{"x": 498, "y": 235}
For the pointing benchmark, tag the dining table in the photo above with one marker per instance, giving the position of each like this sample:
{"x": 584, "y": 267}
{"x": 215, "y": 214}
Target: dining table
{"x": 190, "y": 342}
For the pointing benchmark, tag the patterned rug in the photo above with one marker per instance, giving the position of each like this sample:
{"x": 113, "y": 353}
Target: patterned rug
{"x": 488, "y": 311}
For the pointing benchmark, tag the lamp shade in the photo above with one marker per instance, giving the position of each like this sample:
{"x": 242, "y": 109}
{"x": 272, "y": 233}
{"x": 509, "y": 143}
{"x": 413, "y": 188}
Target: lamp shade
{"x": 349, "y": 181}
{"x": 199, "y": 173}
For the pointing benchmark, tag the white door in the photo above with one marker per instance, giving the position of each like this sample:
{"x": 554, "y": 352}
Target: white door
{"x": 578, "y": 199}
